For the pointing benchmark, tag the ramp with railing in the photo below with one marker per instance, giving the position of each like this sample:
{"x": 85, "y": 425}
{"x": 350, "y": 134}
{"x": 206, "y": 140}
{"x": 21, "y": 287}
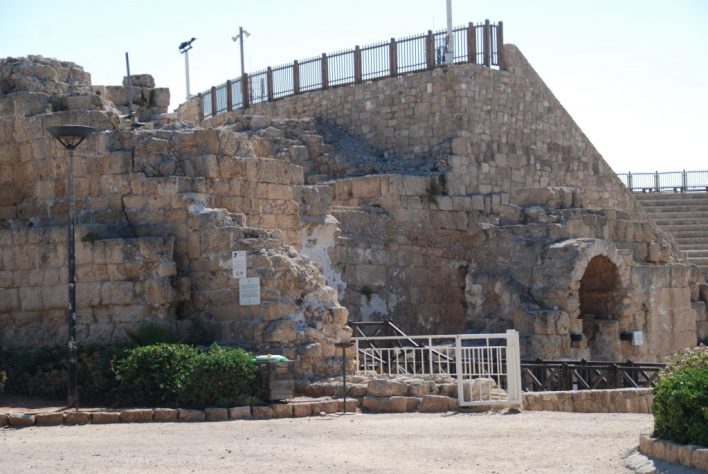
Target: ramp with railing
{"x": 480, "y": 44}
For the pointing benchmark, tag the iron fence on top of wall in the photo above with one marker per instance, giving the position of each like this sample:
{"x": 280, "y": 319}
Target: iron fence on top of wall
{"x": 669, "y": 181}
{"x": 480, "y": 44}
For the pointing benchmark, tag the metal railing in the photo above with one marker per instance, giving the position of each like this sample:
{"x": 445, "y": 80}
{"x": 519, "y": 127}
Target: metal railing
{"x": 543, "y": 375}
{"x": 486, "y": 366}
{"x": 669, "y": 181}
{"x": 480, "y": 44}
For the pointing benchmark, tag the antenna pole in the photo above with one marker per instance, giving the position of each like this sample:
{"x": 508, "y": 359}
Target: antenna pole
{"x": 130, "y": 87}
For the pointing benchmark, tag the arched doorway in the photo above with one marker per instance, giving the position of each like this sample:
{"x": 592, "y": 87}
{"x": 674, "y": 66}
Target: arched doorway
{"x": 600, "y": 300}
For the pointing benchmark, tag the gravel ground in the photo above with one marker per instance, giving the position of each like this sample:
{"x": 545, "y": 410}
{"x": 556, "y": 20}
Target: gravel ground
{"x": 380, "y": 443}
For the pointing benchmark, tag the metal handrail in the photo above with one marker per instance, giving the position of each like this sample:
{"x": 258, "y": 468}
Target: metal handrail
{"x": 668, "y": 181}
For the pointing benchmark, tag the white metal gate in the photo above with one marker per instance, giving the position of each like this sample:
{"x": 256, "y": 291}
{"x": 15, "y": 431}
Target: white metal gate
{"x": 487, "y": 366}
{"x": 488, "y": 369}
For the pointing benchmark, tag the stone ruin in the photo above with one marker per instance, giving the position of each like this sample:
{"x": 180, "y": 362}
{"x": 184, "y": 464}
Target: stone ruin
{"x": 462, "y": 199}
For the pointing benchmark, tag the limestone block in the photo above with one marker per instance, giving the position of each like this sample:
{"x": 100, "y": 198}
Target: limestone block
{"x": 9, "y": 300}
{"x": 281, "y": 410}
{"x": 161, "y": 97}
{"x": 448, "y": 389}
{"x": 216, "y": 414}
{"x": 117, "y": 293}
{"x": 394, "y": 404}
{"x": 262, "y": 412}
{"x": 478, "y": 389}
{"x": 301, "y": 409}
{"x": 136, "y": 415}
{"x": 700, "y": 459}
{"x": 105, "y": 417}
{"x": 4, "y": 420}
{"x": 76, "y": 418}
{"x": 55, "y": 296}
{"x": 20, "y": 419}
{"x": 351, "y": 407}
{"x": 190, "y": 415}
{"x": 31, "y": 298}
{"x": 140, "y": 80}
{"x": 386, "y": 388}
{"x": 240, "y": 413}
{"x": 436, "y": 403}
{"x": 421, "y": 388}
{"x": 48, "y": 419}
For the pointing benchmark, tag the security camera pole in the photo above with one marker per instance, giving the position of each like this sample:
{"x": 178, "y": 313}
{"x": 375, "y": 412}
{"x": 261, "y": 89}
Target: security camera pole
{"x": 238, "y": 37}
{"x": 184, "y": 48}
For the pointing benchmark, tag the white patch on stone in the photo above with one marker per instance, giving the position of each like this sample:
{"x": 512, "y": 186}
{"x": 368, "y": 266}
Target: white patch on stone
{"x": 370, "y": 305}
{"x": 317, "y": 241}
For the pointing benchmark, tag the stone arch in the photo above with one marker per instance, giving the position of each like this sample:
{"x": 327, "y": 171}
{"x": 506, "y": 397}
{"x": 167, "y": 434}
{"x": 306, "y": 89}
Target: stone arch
{"x": 588, "y": 279}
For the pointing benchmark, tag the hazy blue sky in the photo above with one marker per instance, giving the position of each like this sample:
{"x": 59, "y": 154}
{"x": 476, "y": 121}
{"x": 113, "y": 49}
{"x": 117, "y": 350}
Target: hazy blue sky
{"x": 633, "y": 73}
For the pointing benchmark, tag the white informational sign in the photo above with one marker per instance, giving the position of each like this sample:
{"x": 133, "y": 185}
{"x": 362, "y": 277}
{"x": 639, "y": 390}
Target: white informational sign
{"x": 249, "y": 291}
{"x": 637, "y": 338}
{"x": 238, "y": 260}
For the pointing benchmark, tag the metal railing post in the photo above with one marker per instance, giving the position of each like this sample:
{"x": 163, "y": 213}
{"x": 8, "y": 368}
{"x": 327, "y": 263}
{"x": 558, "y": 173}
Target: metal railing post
{"x": 430, "y": 354}
{"x": 246, "y": 98}
{"x": 229, "y": 96}
{"x": 325, "y": 71}
{"x": 657, "y": 186}
{"x": 430, "y": 50}
{"x": 629, "y": 181}
{"x": 213, "y": 101}
{"x": 471, "y": 43}
{"x": 500, "y": 46}
{"x": 269, "y": 81}
{"x": 393, "y": 58}
{"x": 296, "y": 77}
{"x": 357, "y": 65}
{"x": 486, "y": 43}
{"x": 684, "y": 182}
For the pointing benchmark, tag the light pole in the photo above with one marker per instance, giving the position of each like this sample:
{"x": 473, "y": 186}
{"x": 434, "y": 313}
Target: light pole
{"x": 450, "y": 44}
{"x": 239, "y": 36}
{"x": 184, "y": 48}
{"x": 71, "y": 136}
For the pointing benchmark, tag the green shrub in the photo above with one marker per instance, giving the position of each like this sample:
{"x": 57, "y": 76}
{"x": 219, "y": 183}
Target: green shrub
{"x": 44, "y": 372}
{"x": 220, "y": 377}
{"x": 680, "y": 404}
{"x": 155, "y": 375}
{"x": 181, "y": 375}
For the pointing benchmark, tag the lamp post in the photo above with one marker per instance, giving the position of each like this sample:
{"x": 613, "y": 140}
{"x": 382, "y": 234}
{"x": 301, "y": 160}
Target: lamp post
{"x": 238, "y": 37}
{"x": 449, "y": 43}
{"x": 71, "y": 136}
{"x": 184, "y": 48}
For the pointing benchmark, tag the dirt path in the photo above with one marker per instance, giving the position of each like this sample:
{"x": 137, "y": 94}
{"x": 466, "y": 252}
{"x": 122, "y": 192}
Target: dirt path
{"x": 460, "y": 442}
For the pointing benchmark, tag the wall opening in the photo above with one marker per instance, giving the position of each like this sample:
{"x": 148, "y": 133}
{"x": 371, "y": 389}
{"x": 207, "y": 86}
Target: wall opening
{"x": 600, "y": 305}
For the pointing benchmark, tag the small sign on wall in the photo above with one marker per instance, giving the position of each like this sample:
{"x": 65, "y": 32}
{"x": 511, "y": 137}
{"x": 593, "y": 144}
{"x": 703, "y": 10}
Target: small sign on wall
{"x": 249, "y": 291}
{"x": 238, "y": 261}
{"x": 637, "y": 338}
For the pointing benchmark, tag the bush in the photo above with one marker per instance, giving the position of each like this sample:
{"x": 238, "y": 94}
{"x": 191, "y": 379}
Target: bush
{"x": 181, "y": 375}
{"x": 220, "y": 377}
{"x": 44, "y": 372}
{"x": 155, "y": 375}
{"x": 680, "y": 403}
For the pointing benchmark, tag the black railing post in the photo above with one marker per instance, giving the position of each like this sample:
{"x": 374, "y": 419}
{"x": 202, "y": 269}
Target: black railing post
{"x": 325, "y": 71}
{"x": 229, "y": 97}
{"x": 684, "y": 182}
{"x": 471, "y": 43}
{"x": 430, "y": 50}
{"x": 357, "y": 65}
{"x": 486, "y": 46}
{"x": 393, "y": 58}
{"x": 201, "y": 106}
{"x": 657, "y": 185}
{"x": 296, "y": 77}
{"x": 213, "y": 101}
{"x": 246, "y": 98}
{"x": 500, "y": 46}
{"x": 629, "y": 181}
{"x": 269, "y": 81}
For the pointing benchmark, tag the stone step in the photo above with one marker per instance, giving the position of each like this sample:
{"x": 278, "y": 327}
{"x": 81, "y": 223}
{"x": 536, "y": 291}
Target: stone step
{"x": 692, "y": 242}
{"x": 683, "y": 224}
{"x": 670, "y": 197}
{"x": 677, "y": 215}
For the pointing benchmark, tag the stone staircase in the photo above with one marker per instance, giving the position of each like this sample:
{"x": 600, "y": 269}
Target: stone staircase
{"x": 685, "y": 216}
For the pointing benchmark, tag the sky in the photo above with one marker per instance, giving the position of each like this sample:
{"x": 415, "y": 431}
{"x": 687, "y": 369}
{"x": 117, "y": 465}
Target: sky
{"x": 632, "y": 73}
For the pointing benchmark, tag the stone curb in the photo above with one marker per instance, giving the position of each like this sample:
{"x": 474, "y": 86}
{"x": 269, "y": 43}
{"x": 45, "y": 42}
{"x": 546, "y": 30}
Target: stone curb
{"x": 687, "y": 455}
{"x": 319, "y": 407}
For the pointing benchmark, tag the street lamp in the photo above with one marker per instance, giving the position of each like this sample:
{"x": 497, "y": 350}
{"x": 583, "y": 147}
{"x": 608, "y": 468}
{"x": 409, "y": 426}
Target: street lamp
{"x": 71, "y": 136}
{"x": 184, "y": 48}
{"x": 240, "y": 34}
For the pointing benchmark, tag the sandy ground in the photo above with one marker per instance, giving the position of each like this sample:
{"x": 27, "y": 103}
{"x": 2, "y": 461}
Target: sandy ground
{"x": 378, "y": 443}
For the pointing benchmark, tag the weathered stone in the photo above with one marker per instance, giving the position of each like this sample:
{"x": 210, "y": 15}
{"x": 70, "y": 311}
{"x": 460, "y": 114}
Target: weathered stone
{"x": 48, "y": 419}
{"x": 136, "y": 415}
{"x": 76, "y": 418}
{"x": 184, "y": 414}
{"x": 20, "y": 419}
{"x": 282, "y": 410}
{"x": 105, "y": 417}
{"x": 240, "y": 413}
{"x": 302, "y": 409}
{"x": 386, "y": 388}
{"x": 216, "y": 414}
{"x": 435, "y": 403}
{"x": 262, "y": 412}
